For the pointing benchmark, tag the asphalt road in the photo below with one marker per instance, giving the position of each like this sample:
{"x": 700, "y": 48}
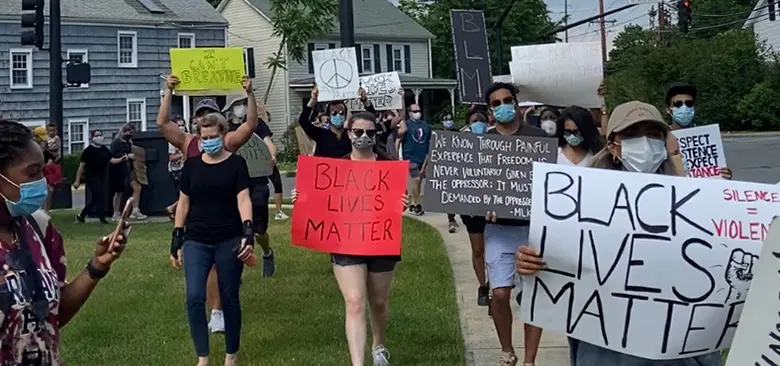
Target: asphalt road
{"x": 752, "y": 159}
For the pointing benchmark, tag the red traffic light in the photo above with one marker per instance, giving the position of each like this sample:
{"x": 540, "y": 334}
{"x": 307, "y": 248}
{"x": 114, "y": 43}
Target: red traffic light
{"x": 687, "y": 4}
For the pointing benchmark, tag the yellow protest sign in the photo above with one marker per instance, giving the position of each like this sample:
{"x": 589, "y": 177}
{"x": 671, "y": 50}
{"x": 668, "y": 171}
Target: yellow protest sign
{"x": 208, "y": 71}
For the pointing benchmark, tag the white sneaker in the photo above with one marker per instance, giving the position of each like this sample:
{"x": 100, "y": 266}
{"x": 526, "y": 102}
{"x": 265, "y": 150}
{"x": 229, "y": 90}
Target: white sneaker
{"x": 115, "y": 218}
{"x": 137, "y": 215}
{"x": 281, "y": 216}
{"x": 217, "y": 322}
{"x": 381, "y": 356}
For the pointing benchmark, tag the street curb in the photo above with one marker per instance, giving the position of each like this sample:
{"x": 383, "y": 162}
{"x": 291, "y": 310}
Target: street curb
{"x": 735, "y": 135}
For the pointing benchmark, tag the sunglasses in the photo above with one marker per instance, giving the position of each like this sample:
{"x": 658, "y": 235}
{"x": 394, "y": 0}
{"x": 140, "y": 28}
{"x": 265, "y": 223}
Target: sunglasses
{"x": 359, "y": 132}
{"x": 507, "y": 100}
{"x": 334, "y": 113}
{"x": 679, "y": 103}
{"x": 415, "y": 111}
{"x": 572, "y": 132}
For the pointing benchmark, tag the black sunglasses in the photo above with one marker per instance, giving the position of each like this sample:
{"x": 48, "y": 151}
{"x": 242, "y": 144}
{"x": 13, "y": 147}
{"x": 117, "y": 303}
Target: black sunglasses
{"x": 507, "y": 100}
{"x": 337, "y": 113}
{"x": 572, "y": 132}
{"x": 679, "y": 103}
{"x": 359, "y": 132}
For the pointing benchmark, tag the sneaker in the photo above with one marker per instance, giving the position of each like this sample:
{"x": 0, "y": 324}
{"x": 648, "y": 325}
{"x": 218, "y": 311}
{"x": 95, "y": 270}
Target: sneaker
{"x": 116, "y": 216}
{"x": 137, "y": 215}
{"x": 483, "y": 296}
{"x": 80, "y": 219}
{"x": 217, "y": 322}
{"x": 418, "y": 210}
{"x": 269, "y": 265}
{"x": 281, "y": 216}
{"x": 381, "y": 356}
{"x": 453, "y": 227}
{"x": 507, "y": 359}
{"x": 103, "y": 220}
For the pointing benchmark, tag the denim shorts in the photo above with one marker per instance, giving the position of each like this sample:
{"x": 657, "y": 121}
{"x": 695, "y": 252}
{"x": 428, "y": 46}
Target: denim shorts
{"x": 586, "y": 354}
{"x": 501, "y": 244}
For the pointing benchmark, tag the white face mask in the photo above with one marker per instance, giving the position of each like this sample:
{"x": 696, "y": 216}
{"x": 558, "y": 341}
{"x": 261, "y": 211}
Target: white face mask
{"x": 550, "y": 127}
{"x": 416, "y": 116}
{"x": 97, "y": 140}
{"x": 239, "y": 111}
{"x": 643, "y": 154}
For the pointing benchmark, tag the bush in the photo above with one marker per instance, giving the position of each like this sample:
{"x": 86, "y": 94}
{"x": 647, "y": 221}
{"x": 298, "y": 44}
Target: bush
{"x": 759, "y": 108}
{"x": 70, "y": 165}
{"x": 290, "y": 150}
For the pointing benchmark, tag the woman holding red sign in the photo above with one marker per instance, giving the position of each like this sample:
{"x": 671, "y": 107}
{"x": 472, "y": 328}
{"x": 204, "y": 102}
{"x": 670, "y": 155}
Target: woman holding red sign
{"x": 364, "y": 277}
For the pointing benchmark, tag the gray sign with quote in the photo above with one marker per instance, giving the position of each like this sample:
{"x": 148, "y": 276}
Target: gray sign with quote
{"x": 472, "y": 174}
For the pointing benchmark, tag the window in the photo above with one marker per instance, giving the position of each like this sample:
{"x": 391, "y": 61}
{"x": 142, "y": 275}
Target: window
{"x": 78, "y": 134}
{"x": 186, "y": 40}
{"x": 320, "y": 47}
{"x": 136, "y": 113}
{"x": 21, "y": 68}
{"x": 398, "y": 58}
{"x": 127, "y": 49}
{"x": 81, "y": 56}
{"x": 368, "y": 58}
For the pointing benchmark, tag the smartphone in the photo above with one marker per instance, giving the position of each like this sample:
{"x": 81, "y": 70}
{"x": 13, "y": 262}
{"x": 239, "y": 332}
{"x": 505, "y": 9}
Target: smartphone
{"x": 120, "y": 225}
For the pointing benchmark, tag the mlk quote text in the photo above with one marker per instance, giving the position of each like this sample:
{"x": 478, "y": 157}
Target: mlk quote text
{"x": 649, "y": 265}
{"x": 349, "y": 207}
{"x": 472, "y": 174}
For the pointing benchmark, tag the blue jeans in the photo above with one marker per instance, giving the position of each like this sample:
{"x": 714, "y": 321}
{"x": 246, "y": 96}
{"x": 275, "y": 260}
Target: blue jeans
{"x": 586, "y": 354}
{"x": 198, "y": 259}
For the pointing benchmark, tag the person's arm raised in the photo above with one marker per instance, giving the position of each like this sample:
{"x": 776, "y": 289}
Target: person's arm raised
{"x": 305, "y": 118}
{"x": 234, "y": 140}
{"x": 169, "y": 129}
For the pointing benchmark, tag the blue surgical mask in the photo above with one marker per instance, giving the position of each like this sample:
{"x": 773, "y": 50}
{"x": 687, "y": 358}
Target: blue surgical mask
{"x": 683, "y": 115}
{"x": 211, "y": 146}
{"x": 32, "y": 196}
{"x": 574, "y": 140}
{"x": 504, "y": 113}
{"x": 448, "y": 124}
{"x": 337, "y": 121}
{"x": 478, "y": 127}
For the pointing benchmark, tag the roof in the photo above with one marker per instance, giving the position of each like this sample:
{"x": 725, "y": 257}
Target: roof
{"x": 128, "y": 11}
{"x": 758, "y": 14}
{"x": 375, "y": 19}
{"x": 407, "y": 81}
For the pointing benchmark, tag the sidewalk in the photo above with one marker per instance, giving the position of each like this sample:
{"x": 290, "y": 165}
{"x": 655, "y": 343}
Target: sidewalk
{"x": 482, "y": 348}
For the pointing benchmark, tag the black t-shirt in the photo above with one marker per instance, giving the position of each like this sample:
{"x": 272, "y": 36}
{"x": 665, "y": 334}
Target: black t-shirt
{"x": 262, "y": 131}
{"x": 213, "y": 190}
{"x": 120, "y": 148}
{"x": 329, "y": 145}
{"x": 524, "y": 130}
{"x": 96, "y": 161}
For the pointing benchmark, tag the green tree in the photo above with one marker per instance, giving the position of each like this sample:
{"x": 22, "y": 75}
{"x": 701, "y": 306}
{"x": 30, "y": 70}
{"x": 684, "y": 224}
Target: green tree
{"x": 528, "y": 23}
{"x": 711, "y": 17}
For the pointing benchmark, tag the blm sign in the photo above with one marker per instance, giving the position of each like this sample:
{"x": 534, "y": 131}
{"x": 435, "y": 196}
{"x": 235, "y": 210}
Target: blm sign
{"x": 472, "y": 57}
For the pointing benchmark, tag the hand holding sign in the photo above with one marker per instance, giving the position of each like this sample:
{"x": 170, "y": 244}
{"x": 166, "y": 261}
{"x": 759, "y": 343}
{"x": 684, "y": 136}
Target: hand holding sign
{"x": 739, "y": 273}
{"x": 172, "y": 81}
{"x": 528, "y": 261}
{"x": 246, "y": 83}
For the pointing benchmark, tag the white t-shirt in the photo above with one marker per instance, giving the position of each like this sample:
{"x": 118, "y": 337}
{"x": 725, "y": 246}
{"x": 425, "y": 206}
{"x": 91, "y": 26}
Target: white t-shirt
{"x": 563, "y": 160}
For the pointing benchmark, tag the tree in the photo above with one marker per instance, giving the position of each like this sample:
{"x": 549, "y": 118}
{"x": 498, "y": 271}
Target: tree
{"x": 528, "y": 23}
{"x": 711, "y": 17}
{"x": 295, "y": 22}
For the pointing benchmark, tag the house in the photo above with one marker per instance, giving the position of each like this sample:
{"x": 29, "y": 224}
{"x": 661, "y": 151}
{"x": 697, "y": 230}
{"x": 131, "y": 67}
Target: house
{"x": 765, "y": 22}
{"x": 388, "y": 40}
{"x": 127, "y": 44}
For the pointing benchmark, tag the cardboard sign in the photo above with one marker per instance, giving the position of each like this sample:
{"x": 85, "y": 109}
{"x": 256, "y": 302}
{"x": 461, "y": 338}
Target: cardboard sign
{"x": 208, "y": 71}
{"x": 349, "y": 207}
{"x": 382, "y": 90}
{"x": 258, "y": 157}
{"x": 702, "y": 151}
{"x": 648, "y": 265}
{"x": 558, "y": 74}
{"x": 758, "y": 338}
{"x": 336, "y": 73}
{"x": 472, "y": 56}
{"x": 471, "y": 174}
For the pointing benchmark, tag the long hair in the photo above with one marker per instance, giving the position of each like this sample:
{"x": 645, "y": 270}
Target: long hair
{"x": 368, "y": 116}
{"x": 591, "y": 139}
{"x": 605, "y": 160}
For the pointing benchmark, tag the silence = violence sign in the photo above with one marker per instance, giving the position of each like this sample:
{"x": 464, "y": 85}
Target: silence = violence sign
{"x": 653, "y": 266}
{"x": 471, "y": 174}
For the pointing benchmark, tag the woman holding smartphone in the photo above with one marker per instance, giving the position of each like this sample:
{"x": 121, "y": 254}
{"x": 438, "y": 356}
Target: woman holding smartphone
{"x": 213, "y": 227}
{"x": 32, "y": 251}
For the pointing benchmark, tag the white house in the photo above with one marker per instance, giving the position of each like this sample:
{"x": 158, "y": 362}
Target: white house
{"x": 765, "y": 22}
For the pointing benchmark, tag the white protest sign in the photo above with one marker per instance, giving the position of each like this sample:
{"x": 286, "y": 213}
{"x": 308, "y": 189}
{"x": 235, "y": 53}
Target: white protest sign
{"x": 560, "y": 74}
{"x": 336, "y": 73}
{"x": 382, "y": 90}
{"x": 758, "y": 335}
{"x": 648, "y": 265}
{"x": 702, "y": 151}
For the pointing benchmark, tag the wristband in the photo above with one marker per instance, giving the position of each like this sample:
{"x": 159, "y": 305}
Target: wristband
{"x": 248, "y": 232}
{"x": 94, "y": 272}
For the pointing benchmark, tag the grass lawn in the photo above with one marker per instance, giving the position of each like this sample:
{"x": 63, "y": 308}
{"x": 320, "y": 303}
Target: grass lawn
{"x": 136, "y": 316}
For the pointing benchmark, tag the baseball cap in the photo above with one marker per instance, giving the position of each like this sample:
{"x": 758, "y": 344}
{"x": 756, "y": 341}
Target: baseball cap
{"x": 679, "y": 88}
{"x": 631, "y": 113}
{"x": 206, "y": 103}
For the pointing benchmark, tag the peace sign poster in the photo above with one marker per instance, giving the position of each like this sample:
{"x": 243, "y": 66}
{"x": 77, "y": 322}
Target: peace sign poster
{"x": 336, "y": 73}
{"x": 654, "y": 266}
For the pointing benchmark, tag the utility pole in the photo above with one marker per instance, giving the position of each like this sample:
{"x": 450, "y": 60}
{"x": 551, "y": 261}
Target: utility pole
{"x": 55, "y": 69}
{"x": 347, "y": 23}
{"x": 603, "y": 37}
{"x": 566, "y": 18}
{"x": 499, "y": 43}
{"x": 661, "y": 22}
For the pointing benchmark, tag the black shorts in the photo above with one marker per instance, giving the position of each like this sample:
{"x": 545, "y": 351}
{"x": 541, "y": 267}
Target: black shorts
{"x": 119, "y": 182}
{"x": 258, "y": 193}
{"x": 276, "y": 180}
{"x": 474, "y": 224}
{"x": 176, "y": 177}
{"x": 375, "y": 264}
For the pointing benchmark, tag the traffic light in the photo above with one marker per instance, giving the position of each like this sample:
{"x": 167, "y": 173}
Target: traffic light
{"x": 684, "y": 15}
{"x": 32, "y": 17}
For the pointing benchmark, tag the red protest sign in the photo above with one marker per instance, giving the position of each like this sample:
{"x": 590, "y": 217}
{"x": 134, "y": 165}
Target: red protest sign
{"x": 349, "y": 207}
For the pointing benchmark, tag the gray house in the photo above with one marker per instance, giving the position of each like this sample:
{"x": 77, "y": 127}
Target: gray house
{"x": 388, "y": 40}
{"x": 127, "y": 44}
